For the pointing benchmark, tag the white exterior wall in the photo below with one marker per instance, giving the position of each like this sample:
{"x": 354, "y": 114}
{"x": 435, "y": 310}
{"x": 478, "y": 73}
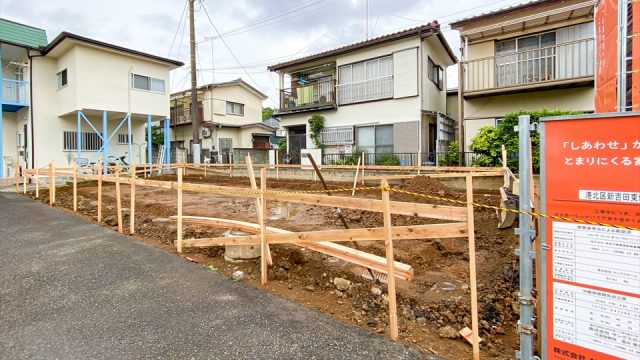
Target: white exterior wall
{"x": 215, "y": 105}
{"x": 98, "y": 80}
{"x": 9, "y": 149}
{"x": 434, "y": 99}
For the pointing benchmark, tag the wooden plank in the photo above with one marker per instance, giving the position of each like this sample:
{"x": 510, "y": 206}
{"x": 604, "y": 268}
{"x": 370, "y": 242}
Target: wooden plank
{"x": 75, "y": 187}
{"x": 16, "y": 170}
{"x": 118, "y": 202}
{"x": 24, "y": 178}
{"x": 364, "y": 165}
{"x": 132, "y": 206}
{"x": 472, "y": 270}
{"x": 412, "y": 232}
{"x": 374, "y": 262}
{"x": 179, "y": 231}
{"x": 259, "y": 208}
{"x": 435, "y": 176}
{"x": 388, "y": 246}
{"x": 264, "y": 246}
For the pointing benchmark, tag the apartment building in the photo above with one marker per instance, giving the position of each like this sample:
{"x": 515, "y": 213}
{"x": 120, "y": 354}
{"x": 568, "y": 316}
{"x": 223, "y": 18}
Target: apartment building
{"x": 76, "y": 99}
{"x": 385, "y": 95}
{"x": 230, "y": 116}
{"x": 537, "y": 54}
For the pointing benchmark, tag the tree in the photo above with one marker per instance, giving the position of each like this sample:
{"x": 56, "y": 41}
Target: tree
{"x": 490, "y": 139}
{"x": 267, "y": 113}
{"x": 157, "y": 137}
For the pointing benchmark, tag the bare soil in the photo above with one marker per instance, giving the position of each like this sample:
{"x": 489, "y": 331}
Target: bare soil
{"x": 438, "y": 296}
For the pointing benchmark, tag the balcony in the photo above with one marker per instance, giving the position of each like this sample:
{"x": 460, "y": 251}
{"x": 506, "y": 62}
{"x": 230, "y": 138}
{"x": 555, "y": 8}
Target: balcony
{"x": 557, "y": 66}
{"x": 15, "y": 95}
{"x": 365, "y": 90}
{"x": 316, "y": 95}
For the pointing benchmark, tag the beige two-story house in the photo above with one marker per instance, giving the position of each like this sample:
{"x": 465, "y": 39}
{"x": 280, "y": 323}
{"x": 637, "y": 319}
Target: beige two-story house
{"x": 538, "y": 54}
{"x": 230, "y": 116}
{"x": 385, "y": 96}
{"x": 76, "y": 99}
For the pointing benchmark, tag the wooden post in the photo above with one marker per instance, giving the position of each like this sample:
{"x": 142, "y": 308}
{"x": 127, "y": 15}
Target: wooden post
{"x": 388, "y": 246}
{"x": 355, "y": 178}
{"x": 37, "y": 182}
{"x": 264, "y": 247}
{"x": 24, "y": 178}
{"x": 205, "y": 170}
{"x": 230, "y": 164}
{"x": 100, "y": 193}
{"x": 277, "y": 163}
{"x": 118, "y": 201}
{"x": 363, "y": 165}
{"x": 179, "y": 240}
{"x": 419, "y": 161}
{"x": 75, "y": 186}
{"x": 132, "y": 206}
{"x": 472, "y": 269}
{"x": 52, "y": 184}
{"x": 259, "y": 206}
{"x": 17, "y": 173}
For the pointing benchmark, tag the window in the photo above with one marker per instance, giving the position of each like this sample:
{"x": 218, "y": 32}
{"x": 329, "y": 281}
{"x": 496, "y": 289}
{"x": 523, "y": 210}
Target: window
{"x": 365, "y": 81}
{"x": 377, "y": 139}
{"x": 123, "y": 138}
{"x": 526, "y": 59}
{"x": 499, "y": 121}
{"x": 235, "y": 108}
{"x": 62, "y": 79}
{"x": 90, "y": 141}
{"x": 342, "y": 135}
{"x": 435, "y": 73}
{"x": 147, "y": 83}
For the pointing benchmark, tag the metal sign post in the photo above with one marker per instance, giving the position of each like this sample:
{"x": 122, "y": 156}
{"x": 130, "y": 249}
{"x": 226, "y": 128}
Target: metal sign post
{"x": 527, "y": 234}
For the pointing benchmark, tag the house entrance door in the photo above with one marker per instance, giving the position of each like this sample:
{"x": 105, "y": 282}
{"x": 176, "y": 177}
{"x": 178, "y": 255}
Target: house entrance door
{"x": 226, "y": 144}
{"x": 297, "y": 142}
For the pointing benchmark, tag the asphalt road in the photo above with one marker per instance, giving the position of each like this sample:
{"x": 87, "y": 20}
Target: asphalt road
{"x": 70, "y": 289}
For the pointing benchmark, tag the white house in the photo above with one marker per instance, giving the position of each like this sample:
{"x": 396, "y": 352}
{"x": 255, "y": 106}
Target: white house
{"x": 383, "y": 95}
{"x": 75, "y": 83}
{"x": 230, "y": 117}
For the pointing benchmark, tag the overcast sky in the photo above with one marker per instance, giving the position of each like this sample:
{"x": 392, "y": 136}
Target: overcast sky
{"x": 278, "y": 29}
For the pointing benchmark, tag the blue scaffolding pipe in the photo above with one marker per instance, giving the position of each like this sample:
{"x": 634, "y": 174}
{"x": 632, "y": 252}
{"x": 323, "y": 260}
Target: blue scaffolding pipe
{"x": 105, "y": 143}
{"x": 149, "y": 144}
{"x": 130, "y": 137}
{"x": 167, "y": 152}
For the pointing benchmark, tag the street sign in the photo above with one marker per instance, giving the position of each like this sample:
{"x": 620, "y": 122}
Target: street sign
{"x": 590, "y": 171}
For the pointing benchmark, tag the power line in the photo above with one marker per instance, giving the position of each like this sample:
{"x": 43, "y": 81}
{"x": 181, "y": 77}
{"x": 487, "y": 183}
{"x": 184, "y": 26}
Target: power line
{"x": 184, "y": 10}
{"x": 229, "y": 48}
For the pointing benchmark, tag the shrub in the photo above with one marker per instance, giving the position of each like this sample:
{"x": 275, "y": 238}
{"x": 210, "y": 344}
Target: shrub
{"x": 452, "y": 156}
{"x": 388, "y": 160}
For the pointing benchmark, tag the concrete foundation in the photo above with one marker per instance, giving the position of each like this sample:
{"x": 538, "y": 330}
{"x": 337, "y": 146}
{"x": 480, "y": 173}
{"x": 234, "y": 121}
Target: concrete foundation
{"x": 235, "y": 253}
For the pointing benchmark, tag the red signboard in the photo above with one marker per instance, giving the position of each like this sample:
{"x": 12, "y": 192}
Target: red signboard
{"x": 591, "y": 172}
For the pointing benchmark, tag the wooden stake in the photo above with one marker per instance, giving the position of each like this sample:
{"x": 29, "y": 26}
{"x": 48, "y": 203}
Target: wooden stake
{"x": 230, "y": 164}
{"x": 17, "y": 173}
{"x": 388, "y": 246}
{"x": 179, "y": 240}
{"x": 118, "y": 202}
{"x": 75, "y": 186}
{"x": 99, "y": 193}
{"x": 52, "y": 184}
{"x": 132, "y": 206}
{"x": 264, "y": 247}
{"x": 277, "y": 168}
{"x": 37, "y": 182}
{"x": 472, "y": 269}
{"x": 24, "y": 178}
{"x": 259, "y": 206}
{"x": 355, "y": 178}
{"x": 205, "y": 170}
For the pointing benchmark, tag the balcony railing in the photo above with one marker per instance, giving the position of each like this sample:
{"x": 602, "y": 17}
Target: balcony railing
{"x": 548, "y": 65}
{"x": 365, "y": 90}
{"x": 15, "y": 92}
{"x": 313, "y": 95}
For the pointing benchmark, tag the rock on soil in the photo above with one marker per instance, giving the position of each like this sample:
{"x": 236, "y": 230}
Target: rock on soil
{"x": 111, "y": 220}
{"x": 237, "y": 275}
{"x": 341, "y": 284}
{"x": 448, "y": 332}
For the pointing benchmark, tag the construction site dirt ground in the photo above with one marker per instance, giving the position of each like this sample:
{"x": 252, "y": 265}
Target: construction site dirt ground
{"x": 434, "y": 302}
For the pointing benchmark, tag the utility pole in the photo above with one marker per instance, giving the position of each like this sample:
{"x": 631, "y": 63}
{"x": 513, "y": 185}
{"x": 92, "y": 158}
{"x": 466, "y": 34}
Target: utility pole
{"x": 213, "y": 73}
{"x": 366, "y": 17}
{"x": 195, "y": 119}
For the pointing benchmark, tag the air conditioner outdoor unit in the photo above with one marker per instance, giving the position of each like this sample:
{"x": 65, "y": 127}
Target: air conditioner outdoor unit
{"x": 205, "y": 132}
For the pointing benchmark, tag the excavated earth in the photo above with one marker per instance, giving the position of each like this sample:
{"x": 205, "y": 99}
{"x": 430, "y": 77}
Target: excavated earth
{"x": 430, "y": 307}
